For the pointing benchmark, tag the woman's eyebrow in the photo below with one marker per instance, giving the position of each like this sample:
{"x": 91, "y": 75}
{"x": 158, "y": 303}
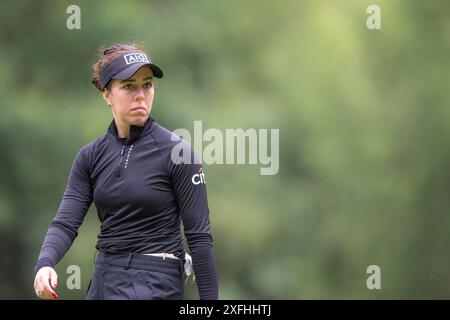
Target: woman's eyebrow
{"x": 133, "y": 80}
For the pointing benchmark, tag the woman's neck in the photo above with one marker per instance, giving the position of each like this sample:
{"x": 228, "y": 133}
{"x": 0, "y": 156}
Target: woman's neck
{"x": 123, "y": 129}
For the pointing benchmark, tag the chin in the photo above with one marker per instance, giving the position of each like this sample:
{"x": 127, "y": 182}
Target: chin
{"x": 138, "y": 121}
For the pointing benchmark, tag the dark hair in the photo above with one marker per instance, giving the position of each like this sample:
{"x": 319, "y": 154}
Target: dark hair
{"x": 107, "y": 55}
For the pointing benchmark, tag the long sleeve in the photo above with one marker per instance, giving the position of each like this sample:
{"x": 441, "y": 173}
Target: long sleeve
{"x": 75, "y": 202}
{"x": 190, "y": 188}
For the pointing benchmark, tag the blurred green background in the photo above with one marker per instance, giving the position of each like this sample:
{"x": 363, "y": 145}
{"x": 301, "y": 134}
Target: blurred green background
{"x": 364, "y": 126}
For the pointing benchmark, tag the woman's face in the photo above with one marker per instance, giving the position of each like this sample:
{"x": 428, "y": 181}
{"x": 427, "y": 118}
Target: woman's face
{"x": 131, "y": 100}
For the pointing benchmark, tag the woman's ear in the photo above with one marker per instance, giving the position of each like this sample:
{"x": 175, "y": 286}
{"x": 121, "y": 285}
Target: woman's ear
{"x": 106, "y": 96}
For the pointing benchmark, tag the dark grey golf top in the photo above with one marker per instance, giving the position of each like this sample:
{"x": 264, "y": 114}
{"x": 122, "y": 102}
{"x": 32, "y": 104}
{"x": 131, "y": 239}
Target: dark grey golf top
{"x": 141, "y": 197}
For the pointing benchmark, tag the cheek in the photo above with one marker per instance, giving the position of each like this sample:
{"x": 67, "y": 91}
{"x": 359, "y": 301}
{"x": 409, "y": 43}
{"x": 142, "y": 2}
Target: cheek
{"x": 124, "y": 99}
{"x": 151, "y": 94}
{"x": 121, "y": 103}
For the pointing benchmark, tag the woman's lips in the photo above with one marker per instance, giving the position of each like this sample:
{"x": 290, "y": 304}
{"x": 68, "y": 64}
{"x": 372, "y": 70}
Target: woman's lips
{"x": 139, "y": 108}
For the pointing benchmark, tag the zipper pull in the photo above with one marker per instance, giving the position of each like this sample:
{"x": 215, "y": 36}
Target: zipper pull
{"x": 123, "y": 150}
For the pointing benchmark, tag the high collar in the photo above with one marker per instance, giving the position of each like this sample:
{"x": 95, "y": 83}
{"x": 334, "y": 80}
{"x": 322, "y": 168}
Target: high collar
{"x": 135, "y": 131}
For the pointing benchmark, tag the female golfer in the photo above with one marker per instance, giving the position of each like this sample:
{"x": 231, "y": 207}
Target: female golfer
{"x": 144, "y": 182}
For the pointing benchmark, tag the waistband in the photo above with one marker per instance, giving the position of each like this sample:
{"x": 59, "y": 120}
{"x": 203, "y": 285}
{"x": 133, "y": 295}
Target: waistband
{"x": 140, "y": 261}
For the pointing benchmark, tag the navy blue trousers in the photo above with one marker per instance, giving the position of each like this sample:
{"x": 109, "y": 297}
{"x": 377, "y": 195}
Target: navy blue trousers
{"x": 123, "y": 276}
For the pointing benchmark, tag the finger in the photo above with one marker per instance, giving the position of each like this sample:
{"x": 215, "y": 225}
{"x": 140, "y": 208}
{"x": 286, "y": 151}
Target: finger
{"x": 41, "y": 292}
{"x": 37, "y": 288}
{"x": 47, "y": 291}
{"x": 53, "y": 279}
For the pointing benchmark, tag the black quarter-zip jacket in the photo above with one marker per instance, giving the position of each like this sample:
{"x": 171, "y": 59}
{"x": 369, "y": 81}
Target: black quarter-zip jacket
{"x": 142, "y": 197}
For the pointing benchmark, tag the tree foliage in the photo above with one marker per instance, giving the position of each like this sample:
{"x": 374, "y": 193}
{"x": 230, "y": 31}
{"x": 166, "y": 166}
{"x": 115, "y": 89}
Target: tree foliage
{"x": 364, "y": 136}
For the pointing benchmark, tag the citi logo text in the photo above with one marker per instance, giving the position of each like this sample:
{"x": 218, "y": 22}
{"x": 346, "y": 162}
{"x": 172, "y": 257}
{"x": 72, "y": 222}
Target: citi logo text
{"x": 199, "y": 177}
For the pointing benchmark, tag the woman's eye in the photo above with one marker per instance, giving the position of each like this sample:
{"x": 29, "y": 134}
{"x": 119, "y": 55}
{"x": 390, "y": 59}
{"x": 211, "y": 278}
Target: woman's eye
{"x": 128, "y": 86}
{"x": 148, "y": 85}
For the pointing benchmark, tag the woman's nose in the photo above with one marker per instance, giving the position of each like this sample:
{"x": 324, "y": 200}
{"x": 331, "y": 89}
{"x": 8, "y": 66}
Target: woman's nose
{"x": 140, "y": 94}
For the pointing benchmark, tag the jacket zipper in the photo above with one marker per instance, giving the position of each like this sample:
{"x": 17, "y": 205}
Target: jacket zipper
{"x": 128, "y": 156}
{"x": 126, "y": 159}
{"x": 120, "y": 161}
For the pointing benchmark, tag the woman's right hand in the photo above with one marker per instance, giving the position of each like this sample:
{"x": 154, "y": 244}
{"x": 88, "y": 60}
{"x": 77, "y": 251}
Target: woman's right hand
{"x": 45, "y": 281}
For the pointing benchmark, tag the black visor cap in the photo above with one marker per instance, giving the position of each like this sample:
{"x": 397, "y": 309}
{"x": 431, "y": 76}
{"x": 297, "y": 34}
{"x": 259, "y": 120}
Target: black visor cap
{"x": 125, "y": 66}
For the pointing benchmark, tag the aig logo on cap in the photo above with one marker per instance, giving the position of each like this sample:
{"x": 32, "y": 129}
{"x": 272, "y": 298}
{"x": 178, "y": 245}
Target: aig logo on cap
{"x": 135, "y": 57}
